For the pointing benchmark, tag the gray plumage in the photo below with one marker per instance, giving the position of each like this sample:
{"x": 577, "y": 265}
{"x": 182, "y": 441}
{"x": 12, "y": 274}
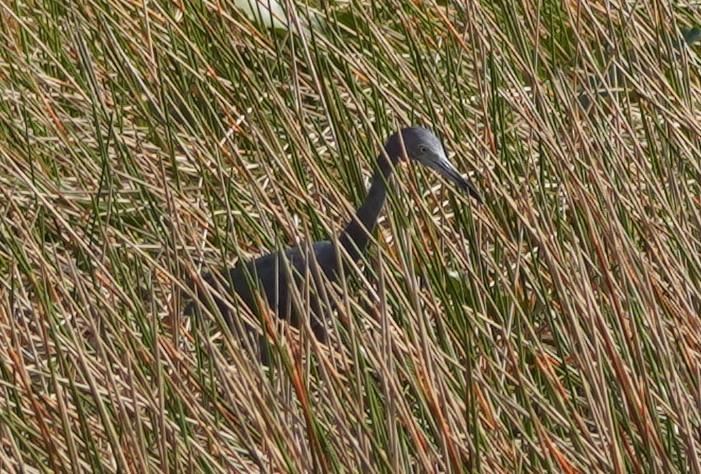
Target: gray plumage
{"x": 416, "y": 143}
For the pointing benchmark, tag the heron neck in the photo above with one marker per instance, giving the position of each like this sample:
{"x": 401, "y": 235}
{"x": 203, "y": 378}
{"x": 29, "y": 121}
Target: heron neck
{"x": 356, "y": 236}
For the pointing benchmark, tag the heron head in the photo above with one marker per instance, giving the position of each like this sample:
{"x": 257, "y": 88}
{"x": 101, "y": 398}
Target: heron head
{"x": 422, "y": 145}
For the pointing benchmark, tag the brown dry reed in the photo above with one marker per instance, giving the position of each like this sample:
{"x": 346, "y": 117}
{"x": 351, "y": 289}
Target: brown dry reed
{"x": 554, "y": 329}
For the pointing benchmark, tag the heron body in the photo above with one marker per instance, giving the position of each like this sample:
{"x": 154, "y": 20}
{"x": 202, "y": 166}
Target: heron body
{"x": 269, "y": 274}
{"x": 274, "y": 274}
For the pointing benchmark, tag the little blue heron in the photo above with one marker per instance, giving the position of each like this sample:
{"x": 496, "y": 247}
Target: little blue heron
{"x": 270, "y": 274}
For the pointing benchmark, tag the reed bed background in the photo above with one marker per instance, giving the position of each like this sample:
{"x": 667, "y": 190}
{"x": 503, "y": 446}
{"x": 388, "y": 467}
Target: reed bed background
{"x": 553, "y": 329}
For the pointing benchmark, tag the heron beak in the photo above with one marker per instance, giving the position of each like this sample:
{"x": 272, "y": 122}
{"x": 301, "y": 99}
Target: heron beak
{"x": 448, "y": 171}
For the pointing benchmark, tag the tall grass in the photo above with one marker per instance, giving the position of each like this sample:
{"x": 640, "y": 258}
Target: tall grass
{"x": 554, "y": 329}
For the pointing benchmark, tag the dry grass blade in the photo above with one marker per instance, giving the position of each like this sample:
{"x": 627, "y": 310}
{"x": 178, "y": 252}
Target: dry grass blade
{"x": 554, "y": 329}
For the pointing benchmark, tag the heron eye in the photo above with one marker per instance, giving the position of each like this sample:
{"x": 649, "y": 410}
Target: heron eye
{"x": 423, "y": 149}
